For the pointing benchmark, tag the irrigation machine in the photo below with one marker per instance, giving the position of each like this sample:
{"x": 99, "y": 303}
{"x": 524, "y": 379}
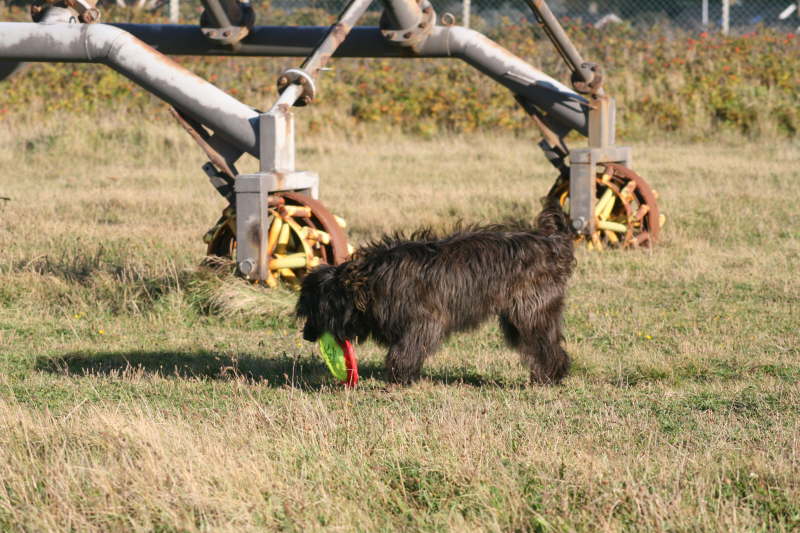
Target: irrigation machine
{"x": 275, "y": 227}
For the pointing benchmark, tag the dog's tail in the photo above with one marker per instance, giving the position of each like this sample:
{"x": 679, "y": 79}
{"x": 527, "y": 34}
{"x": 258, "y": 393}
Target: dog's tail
{"x": 553, "y": 220}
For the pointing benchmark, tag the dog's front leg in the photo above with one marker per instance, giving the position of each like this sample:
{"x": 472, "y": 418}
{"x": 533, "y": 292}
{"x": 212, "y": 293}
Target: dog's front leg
{"x": 535, "y": 331}
{"x": 405, "y": 357}
{"x": 541, "y": 347}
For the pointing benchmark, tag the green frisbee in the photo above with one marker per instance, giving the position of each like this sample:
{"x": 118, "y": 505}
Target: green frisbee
{"x": 340, "y": 359}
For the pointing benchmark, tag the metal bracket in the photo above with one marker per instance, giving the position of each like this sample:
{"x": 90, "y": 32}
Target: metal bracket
{"x": 229, "y": 35}
{"x": 602, "y": 122}
{"x": 594, "y": 74}
{"x": 412, "y": 36}
{"x": 221, "y": 182}
{"x": 584, "y": 162}
{"x": 227, "y": 22}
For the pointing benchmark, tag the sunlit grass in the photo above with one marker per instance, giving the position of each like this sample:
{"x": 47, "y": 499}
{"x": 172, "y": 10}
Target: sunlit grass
{"x": 138, "y": 391}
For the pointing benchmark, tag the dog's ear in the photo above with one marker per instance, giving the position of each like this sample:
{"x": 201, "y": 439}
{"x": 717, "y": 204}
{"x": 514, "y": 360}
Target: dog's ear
{"x": 360, "y": 298}
{"x": 354, "y": 281}
{"x": 356, "y": 286}
{"x": 312, "y": 290}
{"x": 552, "y": 219}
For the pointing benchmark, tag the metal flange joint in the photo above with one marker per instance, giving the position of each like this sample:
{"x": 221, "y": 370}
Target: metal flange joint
{"x": 300, "y": 77}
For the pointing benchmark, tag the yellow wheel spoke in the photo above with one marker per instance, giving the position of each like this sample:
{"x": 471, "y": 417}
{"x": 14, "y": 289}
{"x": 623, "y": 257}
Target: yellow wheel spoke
{"x": 611, "y": 236}
{"x": 271, "y": 281}
{"x": 283, "y": 239}
{"x": 316, "y": 235}
{"x": 297, "y": 260}
{"x": 607, "y": 197}
{"x": 627, "y": 192}
{"x": 296, "y": 211}
{"x": 612, "y": 226}
{"x": 642, "y": 212}
{"x": 608, "y": 207}
{"x": 596, "y": 243}
{"x": 289, "y": 277}
{"x": 274, "y": 231}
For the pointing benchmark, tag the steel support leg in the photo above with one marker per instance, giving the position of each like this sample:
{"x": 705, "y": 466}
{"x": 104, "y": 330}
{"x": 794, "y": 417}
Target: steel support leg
{"x": 582, "y": 184}
{"x": 277, "y": 169}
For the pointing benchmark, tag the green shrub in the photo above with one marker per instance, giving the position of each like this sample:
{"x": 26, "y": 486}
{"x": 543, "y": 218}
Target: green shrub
{"x": 664, "y": 82}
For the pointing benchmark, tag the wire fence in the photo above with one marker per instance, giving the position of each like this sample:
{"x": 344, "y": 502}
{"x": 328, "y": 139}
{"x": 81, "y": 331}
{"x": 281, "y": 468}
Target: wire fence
{"x": 738, "y": 15}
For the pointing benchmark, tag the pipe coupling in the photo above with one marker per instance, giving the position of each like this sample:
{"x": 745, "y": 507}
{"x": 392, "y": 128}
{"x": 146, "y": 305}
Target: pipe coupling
{"x": 300, "y": 77}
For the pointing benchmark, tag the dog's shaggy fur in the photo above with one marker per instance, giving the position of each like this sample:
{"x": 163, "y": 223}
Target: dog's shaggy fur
{"x": 410, "y": 294}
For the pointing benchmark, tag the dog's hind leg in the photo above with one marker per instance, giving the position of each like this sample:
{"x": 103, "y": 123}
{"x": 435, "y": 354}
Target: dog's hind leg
{"x": 510, "y": 331}
{"x": 405, "y": 357}
{"x": 535, "y": 331}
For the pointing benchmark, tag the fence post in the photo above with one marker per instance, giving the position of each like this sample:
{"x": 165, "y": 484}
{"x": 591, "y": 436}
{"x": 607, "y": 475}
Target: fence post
{"x": 705, "y": 13}
{"x": 174, "y": 11}
{"x": 467, "y": 7}
{"x": 726, "y": 16}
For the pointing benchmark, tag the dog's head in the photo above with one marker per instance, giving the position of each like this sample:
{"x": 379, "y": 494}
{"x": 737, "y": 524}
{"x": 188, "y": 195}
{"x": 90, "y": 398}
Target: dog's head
{"x": 329, "y": 304}
{"x": 552, "y": 220}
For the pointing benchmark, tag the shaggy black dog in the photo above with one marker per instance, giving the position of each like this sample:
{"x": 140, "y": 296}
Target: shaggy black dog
{"x": 410, "y": 294}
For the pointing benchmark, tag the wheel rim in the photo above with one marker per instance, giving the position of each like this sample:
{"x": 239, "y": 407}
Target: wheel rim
{"x": 302, "y": 234}
{"x": 626, "y": 210}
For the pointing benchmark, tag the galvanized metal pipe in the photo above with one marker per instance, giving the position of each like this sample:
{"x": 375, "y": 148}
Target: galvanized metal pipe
{"x": 100, "y": 43}
{"x": 562, "y": 103}
{"x": 287, "y": 98}
{"x": 264, "y": 41}
{"x": 558, "y": 36}
{"x": 335, "y": 36}
{"x": 556, "y": 100}
{"x": 291, "y": 80}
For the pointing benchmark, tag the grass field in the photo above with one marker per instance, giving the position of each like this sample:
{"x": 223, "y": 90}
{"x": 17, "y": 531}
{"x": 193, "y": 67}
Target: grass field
{"x": 138, "y": 392}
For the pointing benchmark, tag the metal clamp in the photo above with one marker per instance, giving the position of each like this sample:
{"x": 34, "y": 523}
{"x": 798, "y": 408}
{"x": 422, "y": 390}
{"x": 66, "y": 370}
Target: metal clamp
{"x": 591, "y": 71}
{"x": 84, "y": 9}
{"x": 300, "y": 77}
{"x": 228, "y": 32}
{"x": 413, "y": 36}
{"x": 229, "y": 35}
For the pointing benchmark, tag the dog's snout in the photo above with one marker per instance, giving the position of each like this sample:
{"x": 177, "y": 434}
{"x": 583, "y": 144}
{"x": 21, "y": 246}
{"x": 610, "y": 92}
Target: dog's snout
{"x": 310, "y": 333}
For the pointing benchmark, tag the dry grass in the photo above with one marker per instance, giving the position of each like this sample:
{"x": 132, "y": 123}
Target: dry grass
{"x": 138, "y": 392}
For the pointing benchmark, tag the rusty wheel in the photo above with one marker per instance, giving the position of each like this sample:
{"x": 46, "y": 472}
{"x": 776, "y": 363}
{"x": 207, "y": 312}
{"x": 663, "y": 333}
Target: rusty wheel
{"x": 302, "y": 235}
{"x": 626, "y": 210}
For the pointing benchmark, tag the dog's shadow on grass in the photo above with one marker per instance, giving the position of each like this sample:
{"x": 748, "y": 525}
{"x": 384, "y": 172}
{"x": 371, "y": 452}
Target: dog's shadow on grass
{"x": 280, "y": 371}
{"x": 306, "y": 373}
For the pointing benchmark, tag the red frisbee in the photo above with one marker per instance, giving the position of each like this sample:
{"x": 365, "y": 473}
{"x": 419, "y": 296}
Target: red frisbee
{"x": 351, "y": 363}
